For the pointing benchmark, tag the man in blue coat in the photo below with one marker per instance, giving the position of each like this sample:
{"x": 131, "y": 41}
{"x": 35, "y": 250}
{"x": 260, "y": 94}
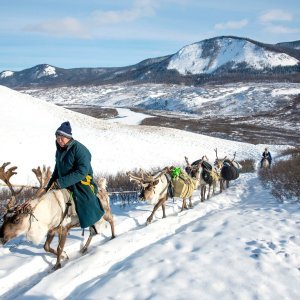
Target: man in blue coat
{"x": 73, "y": 171}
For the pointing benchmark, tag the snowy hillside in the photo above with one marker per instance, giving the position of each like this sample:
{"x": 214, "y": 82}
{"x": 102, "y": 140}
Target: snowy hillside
{"x": 28, "y": 125}
{"x": 270, "y": 107}
{"x": 209, "y": 56}
{"x": 241, "y": 244}
{"x": 244, "y": 99}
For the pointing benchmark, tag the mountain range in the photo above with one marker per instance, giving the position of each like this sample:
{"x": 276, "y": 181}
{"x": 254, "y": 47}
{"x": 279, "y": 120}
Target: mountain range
{"x": 219, "y": 60}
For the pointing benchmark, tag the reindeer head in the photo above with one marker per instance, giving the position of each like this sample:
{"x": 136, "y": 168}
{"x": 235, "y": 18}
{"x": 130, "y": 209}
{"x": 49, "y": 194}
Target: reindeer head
{"x": 15, "y": 218}
{"x": 148, "y": 184}
{"x": 15, "y": 223}
{"x": 219, "y": 162}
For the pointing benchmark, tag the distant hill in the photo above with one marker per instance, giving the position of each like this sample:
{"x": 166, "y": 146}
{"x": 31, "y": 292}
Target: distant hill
{"x": 220, "y": 60}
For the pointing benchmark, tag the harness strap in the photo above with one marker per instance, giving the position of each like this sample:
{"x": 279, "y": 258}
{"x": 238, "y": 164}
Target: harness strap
{"x": 68, "y": 204}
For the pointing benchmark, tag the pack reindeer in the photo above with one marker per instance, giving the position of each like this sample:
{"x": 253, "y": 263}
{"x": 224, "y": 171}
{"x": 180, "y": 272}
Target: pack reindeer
{"x": 47, "y": 214}
{"x": 228, "y": 170}
{"x": 206, "y": 175}
{"x": 154, "y": 188}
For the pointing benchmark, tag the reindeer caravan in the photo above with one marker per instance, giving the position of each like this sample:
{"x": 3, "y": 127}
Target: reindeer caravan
{"x": 47, "y": 214}
{"x": 172, "y": 182}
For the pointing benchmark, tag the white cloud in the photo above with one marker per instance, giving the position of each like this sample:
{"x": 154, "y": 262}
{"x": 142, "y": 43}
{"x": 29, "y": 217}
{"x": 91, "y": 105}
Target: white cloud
{"x": 232, "y": 24}
{"x": 86, "y": 28}
{"x": 281, "y": 29}
{"x": 64, "y": 27}
{"x": 140, "y": 9}
{"x": 276, "y": 15}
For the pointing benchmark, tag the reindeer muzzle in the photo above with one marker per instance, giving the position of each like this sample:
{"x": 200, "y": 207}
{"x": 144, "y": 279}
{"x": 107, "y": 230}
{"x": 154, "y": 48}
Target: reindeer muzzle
{"x": 142, "y": 195}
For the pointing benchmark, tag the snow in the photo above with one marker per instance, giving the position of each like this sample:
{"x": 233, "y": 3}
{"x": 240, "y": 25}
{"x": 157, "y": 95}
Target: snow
{"x": 193, "y": 59}
{"x": 230, "y": 100}
{"x": 5, "y": 74}
{"x": 126, "y": 116}
{"x": 47, "y": 71}
{"x": 290, "y": 91}
{"x": 241, "y": 244}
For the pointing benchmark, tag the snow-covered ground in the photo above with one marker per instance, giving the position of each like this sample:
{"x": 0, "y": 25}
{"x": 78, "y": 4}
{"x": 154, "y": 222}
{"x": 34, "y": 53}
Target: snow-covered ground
{"x": 241, "y": 244}
{"x": 266, "y": 105}
{"x": 238, "y": 99}
{"x": 126, "y": 116}
{"x": 28, "y": 125}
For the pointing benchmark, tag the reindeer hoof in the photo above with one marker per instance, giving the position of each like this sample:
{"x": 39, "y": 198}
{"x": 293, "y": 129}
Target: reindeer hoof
{"x": 56, "y": 267}
{"x": 83, "y": 250}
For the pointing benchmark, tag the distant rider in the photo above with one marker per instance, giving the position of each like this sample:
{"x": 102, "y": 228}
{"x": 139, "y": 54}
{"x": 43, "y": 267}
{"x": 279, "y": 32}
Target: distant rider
{"x": 266, "y": 154}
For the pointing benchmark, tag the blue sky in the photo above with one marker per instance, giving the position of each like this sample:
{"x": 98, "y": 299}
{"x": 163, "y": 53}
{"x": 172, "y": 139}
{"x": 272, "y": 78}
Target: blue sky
{"x": 111, "y": 33}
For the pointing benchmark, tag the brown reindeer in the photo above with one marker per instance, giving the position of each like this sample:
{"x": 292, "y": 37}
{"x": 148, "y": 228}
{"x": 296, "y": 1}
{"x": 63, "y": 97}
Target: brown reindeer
{"x": 47, "y": 214}
{"x": 154, "y": 188}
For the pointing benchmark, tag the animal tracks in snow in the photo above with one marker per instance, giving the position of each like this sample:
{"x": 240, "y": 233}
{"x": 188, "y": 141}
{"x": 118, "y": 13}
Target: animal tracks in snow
{"x": 262, "y": 249}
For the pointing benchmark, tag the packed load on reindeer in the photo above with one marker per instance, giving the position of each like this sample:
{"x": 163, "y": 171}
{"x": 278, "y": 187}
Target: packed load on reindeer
{"x": 183, "y": 184}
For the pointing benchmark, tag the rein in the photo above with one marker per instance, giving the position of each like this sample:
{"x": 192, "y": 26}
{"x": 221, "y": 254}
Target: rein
{"x": 26, "y": 208}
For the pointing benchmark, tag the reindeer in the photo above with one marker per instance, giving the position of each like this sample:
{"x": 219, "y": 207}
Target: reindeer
{"x": 47, "y": 215}
{"x": 207, "y": 175}
{"x": 154, "y": 188}
{"x": 265, "y": 163}
{"x": 227, "y": 169}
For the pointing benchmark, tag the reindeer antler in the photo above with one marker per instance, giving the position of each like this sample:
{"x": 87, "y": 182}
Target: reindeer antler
{"x": 43, "y": 175}
{"x": 135, "y": 178}
{"x": 216, "y": 150}
{"x": 5, "y": 177}
{"x": 233, "y": 157}
{"x": 144, "y": 173}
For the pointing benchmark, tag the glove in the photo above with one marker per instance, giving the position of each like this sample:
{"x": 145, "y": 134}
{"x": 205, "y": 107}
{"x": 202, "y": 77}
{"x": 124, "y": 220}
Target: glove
{"x": 55, "y": 185}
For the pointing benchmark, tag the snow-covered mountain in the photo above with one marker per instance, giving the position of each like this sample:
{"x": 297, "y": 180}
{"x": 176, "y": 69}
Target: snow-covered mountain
{"x": 220, "y": 59}
{"x": 217, "y": 55}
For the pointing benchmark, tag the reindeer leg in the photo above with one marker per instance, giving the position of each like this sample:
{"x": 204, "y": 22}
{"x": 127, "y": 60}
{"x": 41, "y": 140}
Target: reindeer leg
{"x": 50, "y": 236}
{"x": 203, "y": 193}
{"x": 85, "y": 247}
{"x": 163, "y": 206}
{"x": 111, "y": 222}
{"x": 93, "y": 232}
{"x": 62, "y": 240}
{"x": 190, "y": 203}
{"x": 156, "y": 206}
{"x": 209, "y": 187}
{"x": 184, "y": 206}
{"x": 112, "y": 227}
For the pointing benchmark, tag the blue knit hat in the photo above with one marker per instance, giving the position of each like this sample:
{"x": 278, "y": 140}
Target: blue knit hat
{"x": 65, "y": 130}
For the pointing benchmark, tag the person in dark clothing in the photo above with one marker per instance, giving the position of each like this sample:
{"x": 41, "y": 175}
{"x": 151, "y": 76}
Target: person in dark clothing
{"x": 73, "y": 171}
{"x": 266, "y": 155}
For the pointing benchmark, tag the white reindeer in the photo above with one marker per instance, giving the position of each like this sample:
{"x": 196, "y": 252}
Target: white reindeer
{"x": 47, "y": 215}
{"x": 154, "y": 188}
